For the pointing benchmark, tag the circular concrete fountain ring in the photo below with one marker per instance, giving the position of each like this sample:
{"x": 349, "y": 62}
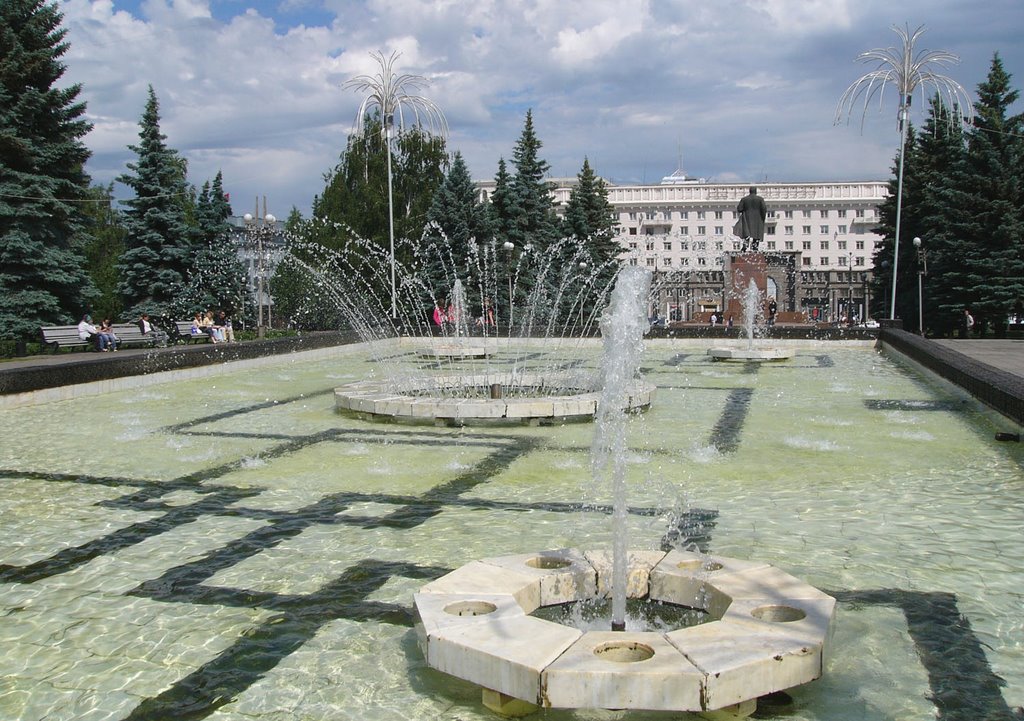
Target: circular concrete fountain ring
{"x": 750, "y": 354}
{"x": 558, "y": 398}
{"x": 769, "y": 634}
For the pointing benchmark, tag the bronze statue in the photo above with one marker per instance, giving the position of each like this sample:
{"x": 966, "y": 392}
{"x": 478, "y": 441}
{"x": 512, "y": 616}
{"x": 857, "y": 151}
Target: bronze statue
{"x": 751, "y": 213}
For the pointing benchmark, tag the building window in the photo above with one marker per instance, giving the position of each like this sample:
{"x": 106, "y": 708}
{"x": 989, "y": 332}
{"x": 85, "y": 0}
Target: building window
{"x": 788, "y": 214}
{"x": 789, "y": 245}
{"x": 770, "y": 230}
{"x": 632, "y": 231}
{"x": 685, "y": 261}
{"x": 702, "y": 260}
{"x": 824, "y": 230}
{"x": 702, "y": 230}
{"x": 666, "y": 261}
{"x": 684, "y": 215}
{"x": 807, "y": 214}
{"x": 650, "y": 245}
{"x": 649, "y": 230}
{"x": 823, "y": 262}
{"x": 685, "y": 230}
{"x": 824, "y": 245}
{"x": 859, "y": 212}
{"x": 842, "y": 214}
{"x": 719, "y": 230}
{"x": 667, "y": 245}
{"x": 771, "y": 245}
{"x": 842, "y": 261}
{"x": 789, "y": 230}
{"x": 841, "y": 245}
{"x": 718, "y": 215}
{"x": 735, "y": 245}
{"x": 632, "y": 261}
{"x": 632, "y": 246}
{"x": 632, "y": 216}
{"x": 700, "y": 215}
{"x": 807, "y": 245}
{"x": 650, "y": 215}
{"x": 700, "y": 245}
{"x": 684, "y": 245}
{"x": 859, "y": 245}
{"x": 718, "y": 245}
{"x": 859, "y": 260}
{"x": 650, "y": 261}
{"x": 666, "y": 214}
{"x": 806, "y": 261}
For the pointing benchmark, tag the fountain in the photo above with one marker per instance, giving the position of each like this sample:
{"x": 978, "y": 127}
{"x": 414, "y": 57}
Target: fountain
{"x": 766, "y": 631}
{"x": 751, "y": 303}
{"x": 509, "y": 349}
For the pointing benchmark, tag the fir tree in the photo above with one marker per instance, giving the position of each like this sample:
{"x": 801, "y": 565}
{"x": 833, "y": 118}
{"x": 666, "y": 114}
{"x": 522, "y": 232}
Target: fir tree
{"x": 456, "y": 223}
{"x": 500, "y": 209}
{"x": 217, "y": 278}
{"x": 531, "y": 207}
{"x": 43, "y": 280}
{"x": 158, "y": 251}
{"x": 989, "y": 200}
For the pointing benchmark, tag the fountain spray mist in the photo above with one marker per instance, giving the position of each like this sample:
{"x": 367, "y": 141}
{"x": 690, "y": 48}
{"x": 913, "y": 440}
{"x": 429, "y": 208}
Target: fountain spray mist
{"x": 622, "y": 328}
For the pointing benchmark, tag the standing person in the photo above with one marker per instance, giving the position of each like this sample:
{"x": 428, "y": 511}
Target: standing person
{"x": 728, "y": 323}
{"x": 714, "y": 320}
{"x": 752, "y": 212}
{"x": 439, "y": 313}
{"x": 150, "y": 331}
{"x": 88, "y": 332}
{"x": 966, "y": 324}
{"x": 773, "y": 308}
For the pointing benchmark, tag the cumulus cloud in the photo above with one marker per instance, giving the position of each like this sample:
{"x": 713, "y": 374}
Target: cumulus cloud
{"x": 745, "y": 88}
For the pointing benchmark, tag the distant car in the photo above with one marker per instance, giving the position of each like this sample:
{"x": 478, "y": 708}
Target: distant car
{"x": 869, "y": 324}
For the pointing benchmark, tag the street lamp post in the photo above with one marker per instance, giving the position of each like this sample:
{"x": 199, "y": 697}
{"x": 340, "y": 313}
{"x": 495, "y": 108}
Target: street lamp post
{"x": 509, "y": 246}
{"x": 258, "y": 232}
{"x": 922, "y": 271}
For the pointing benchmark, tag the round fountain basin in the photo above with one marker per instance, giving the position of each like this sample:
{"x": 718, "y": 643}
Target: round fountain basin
{"x": 750, "y": 354}
{"x": 454, "y": 351}
{"x": 482, "y": 398}
{"x": 768, "y": 633}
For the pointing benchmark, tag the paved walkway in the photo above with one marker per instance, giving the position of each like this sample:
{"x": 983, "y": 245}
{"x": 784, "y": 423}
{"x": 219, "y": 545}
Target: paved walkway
{"x": 1006, "y": 355}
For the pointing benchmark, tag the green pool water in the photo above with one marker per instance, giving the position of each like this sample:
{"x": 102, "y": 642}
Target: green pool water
{"x": 229, "y": 547}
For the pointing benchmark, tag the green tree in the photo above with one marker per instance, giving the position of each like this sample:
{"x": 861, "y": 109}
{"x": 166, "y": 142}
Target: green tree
{"x": 356, "y": 192}
{"x": 989, "y": 199}
{"x": 938, "y": 159}
{"x": 158, "y": 246}
{"x": 457, "y": 221}
{"x": 500, "y": 208}
{"x": 590, "y": 217}
{"x": 531, "y": 207}
{"x": 217, "y": 278}
{"x": 43, "y": 278}
{"x": 103, "y": 249}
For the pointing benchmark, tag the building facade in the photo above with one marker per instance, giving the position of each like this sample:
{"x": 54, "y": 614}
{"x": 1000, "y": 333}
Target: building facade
{"x": 819, "y": 242}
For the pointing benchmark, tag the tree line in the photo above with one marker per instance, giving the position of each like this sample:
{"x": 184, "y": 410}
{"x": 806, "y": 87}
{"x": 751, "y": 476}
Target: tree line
{"x": 963, "y": 195}
{"x": 68, "y": 248}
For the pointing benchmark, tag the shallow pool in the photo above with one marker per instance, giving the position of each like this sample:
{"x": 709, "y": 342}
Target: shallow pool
{"x": 231, "y": 548}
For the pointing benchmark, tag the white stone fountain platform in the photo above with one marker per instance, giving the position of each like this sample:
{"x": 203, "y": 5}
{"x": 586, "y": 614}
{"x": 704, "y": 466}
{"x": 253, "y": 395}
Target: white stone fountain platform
{"x": 454, "y": 351}
{"x": 550, "y": 399}
{"x": 751, "y": 354}
{"x": 769, "y": 634}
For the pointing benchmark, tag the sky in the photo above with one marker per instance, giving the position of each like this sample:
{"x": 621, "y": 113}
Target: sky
{"x": 729, "y": 90}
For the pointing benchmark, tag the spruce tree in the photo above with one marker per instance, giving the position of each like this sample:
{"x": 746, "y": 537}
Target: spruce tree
{"x": 456, "y": 223}
{"x": 531, "y": 207}
{"x": 158, "y": 247}
{"x": 43, "y": 278}
{"x": 500, "y": 209}
{"x": 217, "y": 278}
{"x": 989, "y": 199}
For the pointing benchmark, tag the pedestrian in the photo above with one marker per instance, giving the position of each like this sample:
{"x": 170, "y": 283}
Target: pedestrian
{"x": 966, "y": 324}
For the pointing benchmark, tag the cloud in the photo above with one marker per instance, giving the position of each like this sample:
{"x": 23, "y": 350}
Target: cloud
{"x": 744, "y": 87}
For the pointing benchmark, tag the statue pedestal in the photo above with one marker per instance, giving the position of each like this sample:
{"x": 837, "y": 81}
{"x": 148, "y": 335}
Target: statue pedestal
{"x": 740, "y": 269}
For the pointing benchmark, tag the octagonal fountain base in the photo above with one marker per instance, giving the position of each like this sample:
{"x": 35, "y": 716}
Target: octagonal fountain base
{"x": 768, "y": 633}
{"x": 750, "y": 354}
{"x": 538, "y": 398}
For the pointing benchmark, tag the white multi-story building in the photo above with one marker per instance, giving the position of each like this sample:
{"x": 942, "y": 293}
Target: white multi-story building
{"x": 820, "y": 236}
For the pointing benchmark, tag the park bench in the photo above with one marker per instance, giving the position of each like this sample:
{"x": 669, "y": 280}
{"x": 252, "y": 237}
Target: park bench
{"x": 184, "y": 328}
{"x": 66, "y": 336}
